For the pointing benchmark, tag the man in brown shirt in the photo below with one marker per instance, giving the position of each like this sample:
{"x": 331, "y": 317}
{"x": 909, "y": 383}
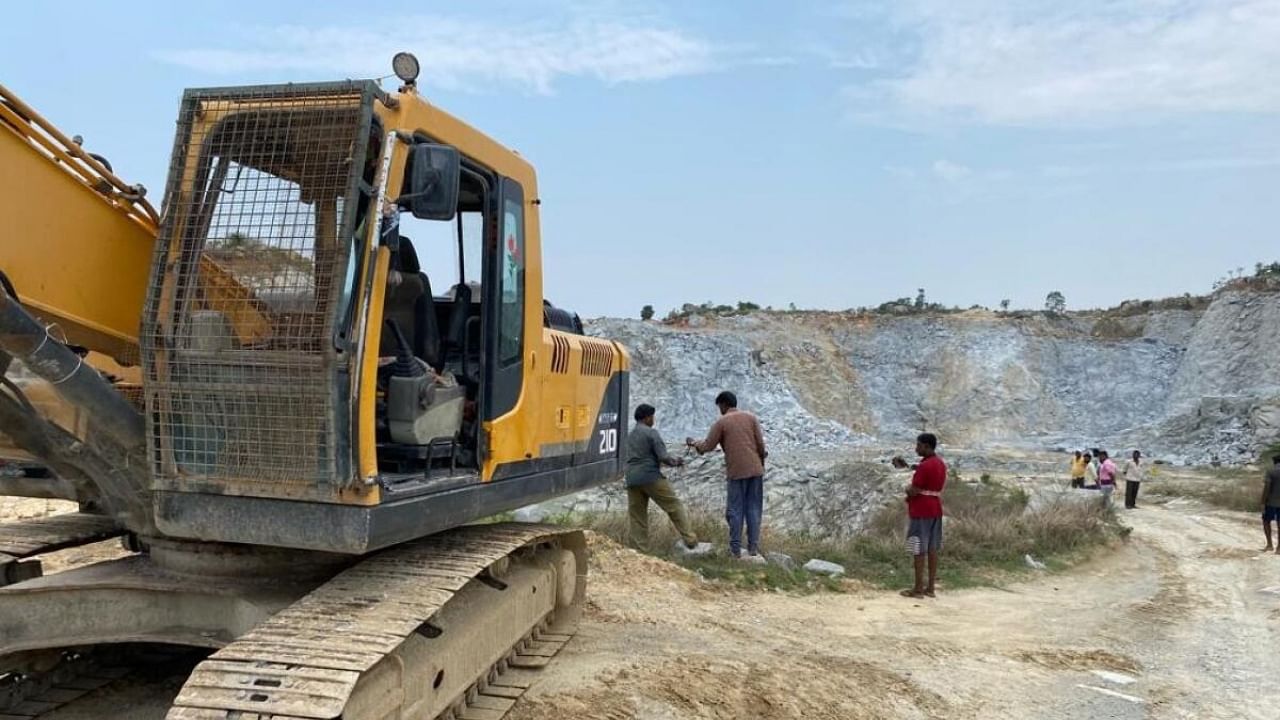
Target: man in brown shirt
{"x": 739, "y": 434}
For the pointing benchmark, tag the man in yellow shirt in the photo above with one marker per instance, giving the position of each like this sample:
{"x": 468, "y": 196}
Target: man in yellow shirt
{"x": 1078, "y": 465}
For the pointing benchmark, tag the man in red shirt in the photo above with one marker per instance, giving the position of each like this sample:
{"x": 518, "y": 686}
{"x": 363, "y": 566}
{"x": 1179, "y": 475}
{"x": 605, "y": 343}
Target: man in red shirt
{"x": 924, "y": 512}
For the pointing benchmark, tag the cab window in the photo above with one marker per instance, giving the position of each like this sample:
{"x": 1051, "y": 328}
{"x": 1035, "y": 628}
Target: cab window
{"x": 511, "y": 312}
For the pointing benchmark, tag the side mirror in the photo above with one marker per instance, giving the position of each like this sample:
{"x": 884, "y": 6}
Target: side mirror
{"x": 431, "y": 182}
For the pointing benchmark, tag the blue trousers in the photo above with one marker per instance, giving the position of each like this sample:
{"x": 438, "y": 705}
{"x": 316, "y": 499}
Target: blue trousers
{"x": 745, "y": 501}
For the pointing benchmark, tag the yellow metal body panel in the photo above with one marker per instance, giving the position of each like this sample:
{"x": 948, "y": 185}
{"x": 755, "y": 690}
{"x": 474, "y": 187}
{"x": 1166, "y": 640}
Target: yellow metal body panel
{"x": 571, "y": 398}
{"x": 368, "y": 450}
{"x": 75, "y": 257}
{"x": 532, "y": 426}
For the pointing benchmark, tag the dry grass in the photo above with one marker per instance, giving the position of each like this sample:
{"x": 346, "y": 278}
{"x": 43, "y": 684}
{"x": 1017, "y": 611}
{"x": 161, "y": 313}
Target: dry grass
{"x": 988, "y": 532}
{"x": 1231, "y": 488}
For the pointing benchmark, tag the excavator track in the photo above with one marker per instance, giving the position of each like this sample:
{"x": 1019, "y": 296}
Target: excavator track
{"x": 389, "y": 637}
{"x": 25, "y": 538}
{"x": 79, "y": 673}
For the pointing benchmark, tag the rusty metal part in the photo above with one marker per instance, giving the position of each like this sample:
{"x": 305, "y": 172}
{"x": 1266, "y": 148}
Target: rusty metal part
{"x": 419, "y": 629}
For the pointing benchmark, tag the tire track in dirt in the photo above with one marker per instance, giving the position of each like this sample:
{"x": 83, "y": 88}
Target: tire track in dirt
{"x": 1168, "y": 625}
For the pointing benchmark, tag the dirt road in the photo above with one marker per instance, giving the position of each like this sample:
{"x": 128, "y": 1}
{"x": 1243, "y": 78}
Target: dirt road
{"x": 1181, "y": 622}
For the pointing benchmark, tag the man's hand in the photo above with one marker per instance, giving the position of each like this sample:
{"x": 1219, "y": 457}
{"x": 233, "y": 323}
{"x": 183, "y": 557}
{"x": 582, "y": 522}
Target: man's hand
{"x": 912, "y": 491}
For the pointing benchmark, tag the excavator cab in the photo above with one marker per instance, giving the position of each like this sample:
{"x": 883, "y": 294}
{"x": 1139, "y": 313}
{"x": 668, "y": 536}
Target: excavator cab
{"x": 431, "y": 347}
{"x": 296, "y": 351}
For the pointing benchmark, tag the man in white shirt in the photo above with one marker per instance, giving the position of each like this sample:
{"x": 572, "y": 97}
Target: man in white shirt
{"x": 1090, "y": 472}
{"x": 1134, "y": 473}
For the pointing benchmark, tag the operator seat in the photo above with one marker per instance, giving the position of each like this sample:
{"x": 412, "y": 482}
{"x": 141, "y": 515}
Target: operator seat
{"x": 462, "y": 340}
{"x": 410, "y": 306}
{"x": 459, "y": 312}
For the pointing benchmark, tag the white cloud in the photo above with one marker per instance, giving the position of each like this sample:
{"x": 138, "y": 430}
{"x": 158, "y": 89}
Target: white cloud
{"x": 951, "y": 172}
{"x": 459, "y": 54}
{"x": 1093, "y": 62}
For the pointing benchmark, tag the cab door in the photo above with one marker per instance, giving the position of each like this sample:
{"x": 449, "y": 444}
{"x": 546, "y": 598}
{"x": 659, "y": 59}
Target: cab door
{"x": 505, "y": 303}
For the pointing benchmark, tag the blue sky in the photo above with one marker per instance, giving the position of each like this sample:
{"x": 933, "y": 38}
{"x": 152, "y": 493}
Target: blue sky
{"x": 829, "y": 155}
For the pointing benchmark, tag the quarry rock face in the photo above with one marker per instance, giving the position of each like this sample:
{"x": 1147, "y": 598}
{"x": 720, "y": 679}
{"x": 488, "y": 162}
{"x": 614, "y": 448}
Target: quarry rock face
{"x": 835, "y": 391}
{"x": 1188, "y": 384}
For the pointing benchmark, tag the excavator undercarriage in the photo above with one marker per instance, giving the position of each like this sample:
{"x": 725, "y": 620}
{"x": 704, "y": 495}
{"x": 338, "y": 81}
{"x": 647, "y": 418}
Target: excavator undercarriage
{"x": 446, "y": 626}
{"x": 450, "y": 626}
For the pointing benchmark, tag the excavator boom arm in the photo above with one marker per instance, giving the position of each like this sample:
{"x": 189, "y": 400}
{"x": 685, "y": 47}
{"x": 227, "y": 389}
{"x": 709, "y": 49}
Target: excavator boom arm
{"x": 79, "y": 239}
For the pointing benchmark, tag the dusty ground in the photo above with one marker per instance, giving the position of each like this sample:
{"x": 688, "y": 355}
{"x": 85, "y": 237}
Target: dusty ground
{"x": 1180, "y": 622}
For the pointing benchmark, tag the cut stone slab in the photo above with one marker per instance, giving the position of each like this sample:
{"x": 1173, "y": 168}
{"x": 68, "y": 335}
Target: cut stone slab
{"x": 823, "y": 567}
{"x": 702, "y": 549}
{"x": 782, "y": 560}
{"x": 530, "y": 514}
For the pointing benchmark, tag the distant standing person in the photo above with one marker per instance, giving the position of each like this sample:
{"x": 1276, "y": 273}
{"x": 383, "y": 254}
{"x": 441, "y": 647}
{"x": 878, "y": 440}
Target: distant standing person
{"x": 646, "y": 456}
{"x": 1271, "y": 503}
{"x": 924, "y": 513}
{"x": 738, "y": 433}
{"x": 1106, "y": 476}
{"x": 1078, "y": 464}
{"x": 1090, "y": 473}
{"x": 1134, "y": 473}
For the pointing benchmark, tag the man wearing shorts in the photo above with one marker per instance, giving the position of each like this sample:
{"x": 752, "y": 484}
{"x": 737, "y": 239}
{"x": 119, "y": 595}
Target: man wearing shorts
{"x": 924, "y": 514}
{"x": 1271, "y": 503}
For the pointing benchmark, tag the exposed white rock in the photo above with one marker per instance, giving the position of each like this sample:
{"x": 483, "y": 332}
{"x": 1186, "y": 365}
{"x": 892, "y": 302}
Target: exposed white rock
{"x": 824, "y": 567}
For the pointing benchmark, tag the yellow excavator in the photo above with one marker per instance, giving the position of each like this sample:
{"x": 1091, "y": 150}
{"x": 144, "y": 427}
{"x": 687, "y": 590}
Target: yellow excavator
{"x": 291, "y": 426}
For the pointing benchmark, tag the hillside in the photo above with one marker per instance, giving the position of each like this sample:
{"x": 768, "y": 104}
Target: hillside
{"x": 1190, "y": 386}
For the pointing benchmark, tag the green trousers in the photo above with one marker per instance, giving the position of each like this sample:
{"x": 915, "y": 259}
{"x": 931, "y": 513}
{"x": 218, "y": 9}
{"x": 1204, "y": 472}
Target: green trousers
{"x": 664, "y": 495}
